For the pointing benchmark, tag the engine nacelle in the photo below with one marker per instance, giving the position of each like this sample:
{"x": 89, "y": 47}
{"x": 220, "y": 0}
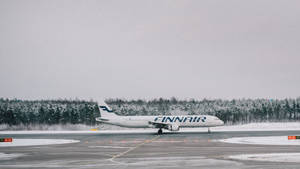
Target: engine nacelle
{"x": 173, "y": 127}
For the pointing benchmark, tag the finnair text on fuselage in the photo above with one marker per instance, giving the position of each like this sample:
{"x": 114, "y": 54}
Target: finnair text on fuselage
{"x": 172, "y": 123}
{"x": 180, "y": 119}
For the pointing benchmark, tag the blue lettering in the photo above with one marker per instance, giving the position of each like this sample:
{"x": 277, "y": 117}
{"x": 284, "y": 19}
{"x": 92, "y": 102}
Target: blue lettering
{"x": 170, "y": 119}
{"x": 195, "y": 118}
{"x": 178, "y": 119}
{"x": 157, "y": 118}
{"x": 203, "y": 119}
{"x": 173, "y": 119}
{"x": 191, "y": 118}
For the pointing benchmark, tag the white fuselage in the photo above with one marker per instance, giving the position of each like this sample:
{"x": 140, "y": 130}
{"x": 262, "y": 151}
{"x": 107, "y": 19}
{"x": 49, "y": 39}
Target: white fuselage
{"x": 180, "y": 121}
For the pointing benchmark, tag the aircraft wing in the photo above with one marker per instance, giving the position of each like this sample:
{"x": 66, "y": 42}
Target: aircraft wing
{"x": 159, "y": 125}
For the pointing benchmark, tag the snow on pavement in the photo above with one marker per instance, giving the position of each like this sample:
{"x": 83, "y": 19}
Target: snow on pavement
{"x": 4, "y": 156}
{"x": 268, "y": 140}
{"x": 267, "y": 126}
{"x": 271, "y": 157}
{"x": 288, "y": 126}
{"x": 35, "y": 142}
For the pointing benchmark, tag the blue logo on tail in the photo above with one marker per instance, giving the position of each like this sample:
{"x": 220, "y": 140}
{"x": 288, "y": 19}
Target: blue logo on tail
{"x": 104, "y": 108}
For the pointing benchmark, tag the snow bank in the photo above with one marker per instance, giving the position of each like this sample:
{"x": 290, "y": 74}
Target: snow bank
{"x": 35, "y": 142}
{"x": 272, "y": 157}
{"x": 115, "y": 129}
{"x": 4, "y": 156}
{"x": 131, "y": 131}
{"x": 270, "y": 140}
{"x": 269, "y": 126}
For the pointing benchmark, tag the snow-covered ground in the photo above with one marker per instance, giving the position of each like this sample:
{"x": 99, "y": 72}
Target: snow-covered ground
{"x": 272, "y": 157}
{"x": 269, "y": 140}
{"x": 115, "y": 129}
{"x": 4, "y": 156}
{"x": 268, "y": 126}
{"x": 35, "y": 142}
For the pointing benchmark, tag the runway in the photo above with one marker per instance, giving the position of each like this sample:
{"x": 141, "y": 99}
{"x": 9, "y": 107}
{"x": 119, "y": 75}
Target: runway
{"x": 148, "y": 150}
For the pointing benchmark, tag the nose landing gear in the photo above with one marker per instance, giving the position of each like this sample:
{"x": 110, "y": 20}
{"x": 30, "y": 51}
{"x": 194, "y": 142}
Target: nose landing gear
{"x": 159, "y": 131}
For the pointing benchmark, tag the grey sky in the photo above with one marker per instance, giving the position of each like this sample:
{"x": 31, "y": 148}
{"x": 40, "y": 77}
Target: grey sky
{"x": 146, "y": 49}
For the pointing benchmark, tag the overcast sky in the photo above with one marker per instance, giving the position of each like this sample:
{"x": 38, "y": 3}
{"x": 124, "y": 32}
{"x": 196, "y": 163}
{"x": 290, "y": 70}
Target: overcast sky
{"x": 147, "y": 49}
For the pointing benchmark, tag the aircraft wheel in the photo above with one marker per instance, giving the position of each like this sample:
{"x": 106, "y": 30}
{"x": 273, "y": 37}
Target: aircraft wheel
{"x": 159, "y": 131}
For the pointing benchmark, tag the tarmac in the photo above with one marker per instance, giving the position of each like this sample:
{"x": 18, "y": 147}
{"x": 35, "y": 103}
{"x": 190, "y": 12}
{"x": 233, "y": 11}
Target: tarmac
{"x": 146, "y": 150}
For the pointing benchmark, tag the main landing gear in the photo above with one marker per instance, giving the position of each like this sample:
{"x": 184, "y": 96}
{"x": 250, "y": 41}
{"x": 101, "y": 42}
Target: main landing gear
{"x": 159, "y": 132}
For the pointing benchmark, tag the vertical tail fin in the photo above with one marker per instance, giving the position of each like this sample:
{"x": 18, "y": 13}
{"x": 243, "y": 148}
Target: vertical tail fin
{"x": 105, "y": 110}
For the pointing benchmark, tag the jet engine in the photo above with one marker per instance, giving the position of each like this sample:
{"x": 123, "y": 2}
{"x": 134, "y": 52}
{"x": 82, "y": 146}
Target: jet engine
{"x": 173, "y": 127}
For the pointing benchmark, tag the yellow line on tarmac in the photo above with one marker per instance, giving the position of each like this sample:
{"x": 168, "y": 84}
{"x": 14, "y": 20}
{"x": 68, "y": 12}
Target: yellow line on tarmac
{"x": 133, "y": 148}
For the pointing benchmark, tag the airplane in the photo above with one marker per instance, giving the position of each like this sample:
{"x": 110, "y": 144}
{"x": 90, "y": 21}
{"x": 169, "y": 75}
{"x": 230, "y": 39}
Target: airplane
{"x": 168, "y": 122}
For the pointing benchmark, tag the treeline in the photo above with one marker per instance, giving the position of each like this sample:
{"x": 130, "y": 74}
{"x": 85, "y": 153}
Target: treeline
{"x": 15, "y": 112}
{"x": 230, "y": 111}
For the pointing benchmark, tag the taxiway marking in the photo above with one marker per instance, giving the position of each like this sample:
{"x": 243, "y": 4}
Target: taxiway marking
{"x": 133, "y": 148}
{"x": 117, "y": 147}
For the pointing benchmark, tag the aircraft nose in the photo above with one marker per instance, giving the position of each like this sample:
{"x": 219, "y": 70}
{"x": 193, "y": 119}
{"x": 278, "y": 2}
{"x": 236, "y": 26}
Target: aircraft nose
{"x": 221, "y": 123}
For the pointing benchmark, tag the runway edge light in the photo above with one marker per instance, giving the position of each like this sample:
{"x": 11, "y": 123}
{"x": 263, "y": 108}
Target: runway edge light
{"x": 6, "y": 139}
{"x": 293, "y": 137}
